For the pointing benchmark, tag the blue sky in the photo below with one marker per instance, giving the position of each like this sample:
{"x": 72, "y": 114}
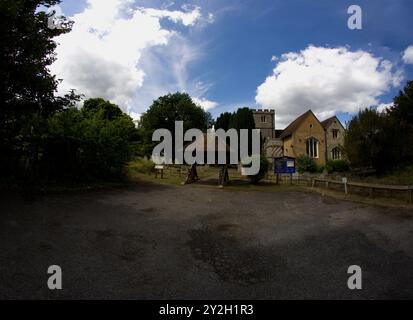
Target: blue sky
{"x": 223, "y": 54}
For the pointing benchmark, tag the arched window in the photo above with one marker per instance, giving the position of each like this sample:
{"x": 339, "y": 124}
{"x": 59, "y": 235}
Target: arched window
{"x": 336, "y": 153}
{"x": 312, "y": 148}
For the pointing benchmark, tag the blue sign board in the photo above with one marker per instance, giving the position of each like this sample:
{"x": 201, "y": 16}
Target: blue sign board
{"x": 284, "y": 165}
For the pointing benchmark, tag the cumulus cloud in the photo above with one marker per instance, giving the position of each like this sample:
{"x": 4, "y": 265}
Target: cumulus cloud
{"x": 102, "y": 56}
{"x": 408, "y": 55}
{"x": 326, "y": 80}
{"x": 205, "y": 103}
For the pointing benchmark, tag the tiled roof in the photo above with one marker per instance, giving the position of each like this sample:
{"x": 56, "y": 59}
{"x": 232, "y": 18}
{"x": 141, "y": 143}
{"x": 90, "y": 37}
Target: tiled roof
{"x": 294, "y": 125}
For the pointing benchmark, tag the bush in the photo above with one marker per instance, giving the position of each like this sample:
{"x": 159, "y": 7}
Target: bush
{"x": 264, "y": 166}
{"x": 337, "y": 166}
{"x": 306, "y": 164}
{"x": 87, "y": 144}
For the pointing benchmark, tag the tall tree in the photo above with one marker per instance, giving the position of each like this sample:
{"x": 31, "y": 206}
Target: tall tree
{"x": 167, "y": 109}
{"x": 243, "y": 118}
{"x": 400, "y": 125}
{"x": 364, "y": 140}
{"x": 223, "y": 121}
{"x": 27, "y": 89}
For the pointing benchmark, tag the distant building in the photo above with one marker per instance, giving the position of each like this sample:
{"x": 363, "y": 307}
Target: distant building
{"x": 305, "y": 136}
{"x": 334, "y": 137}
{"x": 321, "y": 141}
{"x": 265, "y": 121}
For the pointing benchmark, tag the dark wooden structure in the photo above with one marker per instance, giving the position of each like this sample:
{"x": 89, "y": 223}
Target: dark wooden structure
{"x": 202, "y": 145}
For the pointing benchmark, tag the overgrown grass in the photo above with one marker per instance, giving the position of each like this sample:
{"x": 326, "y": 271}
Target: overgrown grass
{"x": 140, "y": 165}
{"x": 398, "y": 177}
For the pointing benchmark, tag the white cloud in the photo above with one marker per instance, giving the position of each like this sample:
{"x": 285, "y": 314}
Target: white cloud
{"x": 205, "y": 103}
{"x": 326, "y": 80}
{"x": 135, "y": 116}
{"x": 102, "y": 56}
{"x": 186, "y": 18}
{"x": 382, "y": 107}
{"x": 408, "y": 55}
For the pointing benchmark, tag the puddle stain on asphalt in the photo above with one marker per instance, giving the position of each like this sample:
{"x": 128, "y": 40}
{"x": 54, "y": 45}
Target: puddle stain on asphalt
{"x": 231, "y": 258}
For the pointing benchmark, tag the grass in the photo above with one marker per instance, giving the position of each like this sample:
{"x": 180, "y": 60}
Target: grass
{"x": 143, "y": 170}
{"x": 398, "y": 177}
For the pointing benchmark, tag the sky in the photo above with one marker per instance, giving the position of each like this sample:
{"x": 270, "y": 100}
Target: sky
{"x": 289, "y": 56}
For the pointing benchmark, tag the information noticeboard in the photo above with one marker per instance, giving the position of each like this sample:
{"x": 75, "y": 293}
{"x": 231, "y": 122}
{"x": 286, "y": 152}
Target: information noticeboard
{"x": 284, "y": 165}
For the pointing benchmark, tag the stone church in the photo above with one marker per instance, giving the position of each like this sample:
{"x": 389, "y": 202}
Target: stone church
{"x": 306, "y": 135}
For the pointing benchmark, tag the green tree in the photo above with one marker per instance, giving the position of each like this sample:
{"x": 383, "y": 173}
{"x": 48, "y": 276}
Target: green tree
{"x": 243, "y": 119}
{"x": 399, "y": 127}
{"x": 104, "y": 109}
{"x": 223, "y": 121}
{"x": 163, "y": 113}
{"x": 27, "y": 89}
{"x": 86, "y": 143}
{"x": 365, "y": 139}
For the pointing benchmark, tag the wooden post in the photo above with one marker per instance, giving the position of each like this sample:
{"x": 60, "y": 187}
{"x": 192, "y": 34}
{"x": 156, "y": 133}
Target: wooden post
{"x": 410, "y": 194}
{"x": 344, "y": 180}
{"x": 313, "y": 183}
{"x": 291, "y": 178}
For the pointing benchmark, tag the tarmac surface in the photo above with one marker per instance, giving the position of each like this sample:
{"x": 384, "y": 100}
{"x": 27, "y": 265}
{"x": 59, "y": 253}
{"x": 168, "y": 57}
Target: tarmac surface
{"x": 199, "y": 242}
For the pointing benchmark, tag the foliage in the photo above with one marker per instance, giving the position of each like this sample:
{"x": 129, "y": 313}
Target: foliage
{"x": 401, "y": 176}
{"x": 399, "y": 127}
{"x": 224, "y": 121}
{"x": 306, "y": 164}
{"x": 163, "y": 113}
{"x": 264, "y": 167}
{"x": 383, "y": 141}
{"x": 337, "y": 166}
{"x": 27, "y": 89}
{"x": 364, "y": 139}
{"x": 87, "y": 144}
{"x": 241, "y": 119}
{"x": 44, "y": 137}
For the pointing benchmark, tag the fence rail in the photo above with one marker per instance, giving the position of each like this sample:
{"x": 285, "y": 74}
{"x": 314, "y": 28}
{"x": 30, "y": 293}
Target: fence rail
{"x": 370, "y": 186}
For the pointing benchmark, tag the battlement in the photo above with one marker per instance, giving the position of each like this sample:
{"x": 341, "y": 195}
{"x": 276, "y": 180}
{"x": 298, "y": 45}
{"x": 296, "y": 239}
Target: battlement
{"x": 269, "y": 111}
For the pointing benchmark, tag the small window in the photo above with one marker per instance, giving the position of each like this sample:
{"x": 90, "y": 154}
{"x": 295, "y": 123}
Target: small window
{"x": 311, "y": 126}
{"x": 335, "y": 133}
{"x": 263, "y": 119}
{"x": 336, "y": 153}
{"x": 312, "y": 148}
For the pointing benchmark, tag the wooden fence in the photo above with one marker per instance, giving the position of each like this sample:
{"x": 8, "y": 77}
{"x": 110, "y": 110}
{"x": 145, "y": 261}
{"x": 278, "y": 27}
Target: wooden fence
{"x": 370, "y": 186}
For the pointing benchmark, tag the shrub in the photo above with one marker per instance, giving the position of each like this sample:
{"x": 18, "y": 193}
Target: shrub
{"x": 264, "y": 166}
{"x": 86, "y": 144}
{"x": 306, "y": 164}
{"x": 337, "y": 166}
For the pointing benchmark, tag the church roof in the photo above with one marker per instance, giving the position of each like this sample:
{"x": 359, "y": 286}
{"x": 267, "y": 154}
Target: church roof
{"x": 295, "y": 124}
